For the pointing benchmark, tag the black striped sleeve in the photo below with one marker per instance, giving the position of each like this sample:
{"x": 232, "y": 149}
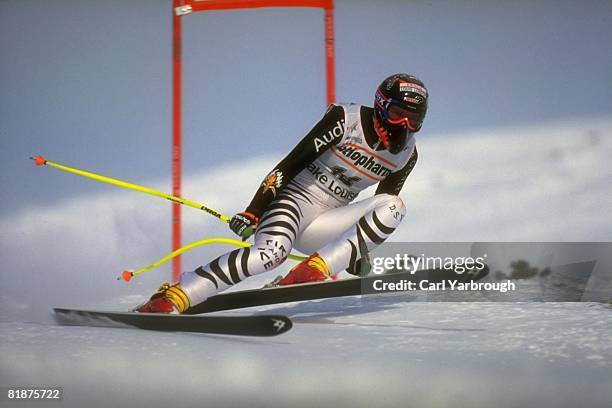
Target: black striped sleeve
{"x": 393, "y": 183}
{"x": 326, "y": 133}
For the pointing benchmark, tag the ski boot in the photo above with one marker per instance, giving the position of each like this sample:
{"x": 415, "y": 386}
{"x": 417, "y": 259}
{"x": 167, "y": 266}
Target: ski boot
{"x": 168, "y": 299}
{"x": 312, "y": 269}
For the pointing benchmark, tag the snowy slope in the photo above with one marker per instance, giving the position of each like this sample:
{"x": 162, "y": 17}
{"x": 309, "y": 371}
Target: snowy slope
{"x": 384, "y": 352}
{"x": 547, "y": 183}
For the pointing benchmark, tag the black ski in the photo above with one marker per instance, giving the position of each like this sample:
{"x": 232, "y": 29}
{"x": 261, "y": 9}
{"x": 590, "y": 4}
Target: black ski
{"x": 327, "y": 289}
{"x": 255, "y": 325}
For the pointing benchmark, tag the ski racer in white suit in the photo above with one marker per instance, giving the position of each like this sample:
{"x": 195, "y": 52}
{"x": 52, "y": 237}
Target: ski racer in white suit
{"x": 305, "y": 201}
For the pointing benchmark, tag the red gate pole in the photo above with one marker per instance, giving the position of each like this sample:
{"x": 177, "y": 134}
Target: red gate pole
{"x": 176, "y": 136}
{"x": 330, "y": 73}
{"x": 182, "y": 7}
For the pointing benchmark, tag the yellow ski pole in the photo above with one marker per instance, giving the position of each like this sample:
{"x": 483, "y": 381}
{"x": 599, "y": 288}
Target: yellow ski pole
{"x": 41, "y": 161}
{"x": 127, "y": 275}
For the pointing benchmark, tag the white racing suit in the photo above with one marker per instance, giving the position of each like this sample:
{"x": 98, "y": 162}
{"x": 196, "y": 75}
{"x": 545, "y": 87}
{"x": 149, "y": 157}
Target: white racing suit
{"x": 306, "y": 203}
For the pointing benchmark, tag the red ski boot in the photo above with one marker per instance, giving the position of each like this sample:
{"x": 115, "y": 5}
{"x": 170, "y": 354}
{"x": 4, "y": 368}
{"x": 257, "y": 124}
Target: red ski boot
{"x": 312, "y": 269}
{"x": 168, "y": 299}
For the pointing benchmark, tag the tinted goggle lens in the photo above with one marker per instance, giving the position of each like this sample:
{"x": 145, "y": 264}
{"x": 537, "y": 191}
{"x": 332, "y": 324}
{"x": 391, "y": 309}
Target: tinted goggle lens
{"x": 398, "y": 115}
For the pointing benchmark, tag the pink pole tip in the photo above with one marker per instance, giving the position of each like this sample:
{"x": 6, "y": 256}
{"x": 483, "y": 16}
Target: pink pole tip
{"x": 40, "y": 161}
{"x": 127, "y": 276}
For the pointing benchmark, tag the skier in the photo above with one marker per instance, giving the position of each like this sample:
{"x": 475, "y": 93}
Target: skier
{"x": 305, "y": 201}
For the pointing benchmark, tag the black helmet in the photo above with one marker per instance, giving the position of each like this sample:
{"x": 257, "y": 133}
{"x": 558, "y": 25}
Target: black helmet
{"x": 400, "y": 105}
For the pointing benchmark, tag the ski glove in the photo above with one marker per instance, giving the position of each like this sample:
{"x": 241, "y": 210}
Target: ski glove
{"x": 244, "y": 224}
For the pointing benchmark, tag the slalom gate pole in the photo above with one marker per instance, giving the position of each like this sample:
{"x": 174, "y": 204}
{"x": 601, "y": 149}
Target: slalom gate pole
{"x": 127, "y": 275}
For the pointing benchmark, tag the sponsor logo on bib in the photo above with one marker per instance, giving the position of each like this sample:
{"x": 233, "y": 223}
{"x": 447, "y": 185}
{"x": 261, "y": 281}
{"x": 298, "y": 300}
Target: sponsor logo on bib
{"x": 364, "y": 161}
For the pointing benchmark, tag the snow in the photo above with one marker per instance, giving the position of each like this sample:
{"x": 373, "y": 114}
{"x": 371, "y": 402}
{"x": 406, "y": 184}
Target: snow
{"x": 380, "y": 351}
{"x": 546, "y": 183}
{"x": 541, "y": 183}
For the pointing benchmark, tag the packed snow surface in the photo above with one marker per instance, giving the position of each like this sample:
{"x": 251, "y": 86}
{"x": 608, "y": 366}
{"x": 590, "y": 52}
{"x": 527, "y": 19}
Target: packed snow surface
{"x": 360, "y": 352}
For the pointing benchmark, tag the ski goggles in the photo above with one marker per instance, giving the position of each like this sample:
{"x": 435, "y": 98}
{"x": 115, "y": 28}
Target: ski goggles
{"x": 396, "y": 113}
{"x": 399, "y": 116}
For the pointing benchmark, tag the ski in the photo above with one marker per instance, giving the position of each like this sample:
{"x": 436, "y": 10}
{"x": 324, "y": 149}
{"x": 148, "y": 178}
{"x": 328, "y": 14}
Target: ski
{"x": 255, "y": 325}
{"x": 326, "y": 289}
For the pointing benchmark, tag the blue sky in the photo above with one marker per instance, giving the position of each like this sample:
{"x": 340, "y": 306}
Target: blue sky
{"x": 515, "y": 145}
{"x": 88, "y": 83}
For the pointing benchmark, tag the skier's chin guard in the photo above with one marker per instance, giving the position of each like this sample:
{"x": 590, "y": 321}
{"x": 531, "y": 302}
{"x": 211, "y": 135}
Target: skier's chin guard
{"x": 397, "y": 139}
